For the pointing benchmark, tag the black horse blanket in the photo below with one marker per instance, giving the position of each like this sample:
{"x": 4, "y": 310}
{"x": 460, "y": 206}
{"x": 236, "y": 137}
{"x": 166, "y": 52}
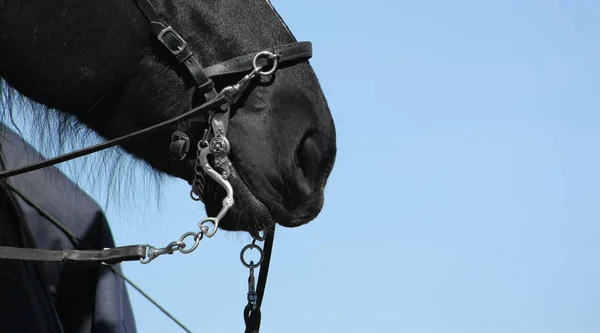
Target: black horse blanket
{"x": 54, "y": 297}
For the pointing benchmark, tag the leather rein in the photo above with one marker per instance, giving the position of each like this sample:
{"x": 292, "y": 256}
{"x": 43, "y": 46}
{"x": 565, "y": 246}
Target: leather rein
{"x": 214, "y": 142}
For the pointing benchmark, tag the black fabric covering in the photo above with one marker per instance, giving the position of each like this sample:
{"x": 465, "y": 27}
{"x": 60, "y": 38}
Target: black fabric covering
{"x": 53, "y": 296}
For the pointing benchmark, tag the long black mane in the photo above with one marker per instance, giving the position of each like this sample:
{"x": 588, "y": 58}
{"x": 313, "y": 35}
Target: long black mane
{"x": 111, "y": 173}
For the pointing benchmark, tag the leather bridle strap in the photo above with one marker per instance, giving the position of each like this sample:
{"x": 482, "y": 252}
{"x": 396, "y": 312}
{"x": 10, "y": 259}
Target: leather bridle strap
{"x": 108, "y": 256}
{"x": 177, "y": 46}
{"x": 287, "y": 53}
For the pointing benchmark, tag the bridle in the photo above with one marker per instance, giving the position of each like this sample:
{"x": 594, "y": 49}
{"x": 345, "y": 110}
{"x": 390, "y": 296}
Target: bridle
{"x": 217, "y": 108}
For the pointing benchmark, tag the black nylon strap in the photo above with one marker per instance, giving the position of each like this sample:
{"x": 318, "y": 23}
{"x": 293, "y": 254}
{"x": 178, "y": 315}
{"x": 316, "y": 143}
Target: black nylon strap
{"x": 109, "y": 256}
{"x": 242, "y": 64}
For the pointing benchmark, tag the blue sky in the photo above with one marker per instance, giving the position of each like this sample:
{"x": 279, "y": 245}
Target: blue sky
{"x": 465, "y": 196}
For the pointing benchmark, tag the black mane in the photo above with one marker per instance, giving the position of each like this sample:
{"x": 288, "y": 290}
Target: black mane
{"x": 53, "y": 133}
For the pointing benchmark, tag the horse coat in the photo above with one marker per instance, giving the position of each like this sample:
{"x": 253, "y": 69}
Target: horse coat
{"x": 50, "y": 297}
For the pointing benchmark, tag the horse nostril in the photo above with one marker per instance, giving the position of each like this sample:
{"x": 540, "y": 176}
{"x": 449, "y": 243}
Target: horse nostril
{"x": 308, "y": 156}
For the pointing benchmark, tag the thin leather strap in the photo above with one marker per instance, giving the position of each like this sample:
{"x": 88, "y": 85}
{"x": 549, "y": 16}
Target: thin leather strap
{"x": 210, "y": 105}
{"x": 264, "y": 267}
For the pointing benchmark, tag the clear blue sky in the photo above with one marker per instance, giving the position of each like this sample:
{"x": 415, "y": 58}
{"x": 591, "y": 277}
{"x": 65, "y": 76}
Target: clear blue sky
{"x": 465, "y": 196}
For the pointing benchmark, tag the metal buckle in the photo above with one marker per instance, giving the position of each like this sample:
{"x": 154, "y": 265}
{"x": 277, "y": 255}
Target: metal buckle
{"x": 182, "y": 43}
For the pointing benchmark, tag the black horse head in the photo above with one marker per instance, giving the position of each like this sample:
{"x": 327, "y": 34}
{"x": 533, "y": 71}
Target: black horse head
{"x": 100, "y": 62}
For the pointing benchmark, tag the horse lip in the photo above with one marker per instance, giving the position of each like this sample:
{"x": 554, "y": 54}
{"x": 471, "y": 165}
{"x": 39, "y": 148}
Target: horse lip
{"x": 264, "y": 210}
{"x": 260, "y": 214}
{"x": 302, "y": 215}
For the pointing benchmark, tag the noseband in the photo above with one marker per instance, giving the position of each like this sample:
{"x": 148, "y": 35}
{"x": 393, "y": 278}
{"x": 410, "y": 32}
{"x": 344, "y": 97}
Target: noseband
{"x": 217, "y": 107}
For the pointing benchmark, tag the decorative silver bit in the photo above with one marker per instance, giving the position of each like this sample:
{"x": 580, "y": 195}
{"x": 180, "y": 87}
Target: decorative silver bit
{"x": 220, "y": 147}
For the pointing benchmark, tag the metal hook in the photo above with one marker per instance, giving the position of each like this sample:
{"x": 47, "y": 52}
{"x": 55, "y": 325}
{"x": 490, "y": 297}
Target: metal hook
{"x": 252, "y": 295}
{"x": 153, "y": 253}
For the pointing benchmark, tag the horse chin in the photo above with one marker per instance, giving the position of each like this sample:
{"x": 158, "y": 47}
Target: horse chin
{"x": 249, "y": 213}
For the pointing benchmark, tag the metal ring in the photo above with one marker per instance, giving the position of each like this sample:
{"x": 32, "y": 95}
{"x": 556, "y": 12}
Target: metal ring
{"x": 246, "y": 248}
{"x": 197, "y": 238}
{"x": 202, "y": 144}
{"x": 206, "y": 230}
{"x": 194, "y": 196}
{"x": 269, "y": 55}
